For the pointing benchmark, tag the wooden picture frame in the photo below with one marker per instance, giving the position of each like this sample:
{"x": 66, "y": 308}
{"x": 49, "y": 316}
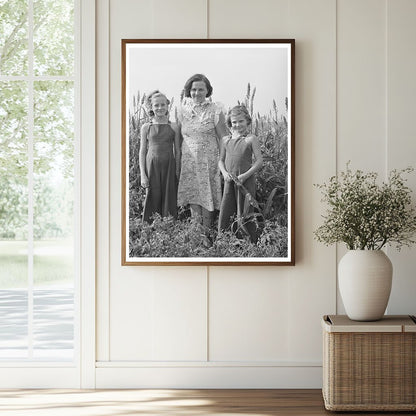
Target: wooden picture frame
{"x": 257, "y": 74}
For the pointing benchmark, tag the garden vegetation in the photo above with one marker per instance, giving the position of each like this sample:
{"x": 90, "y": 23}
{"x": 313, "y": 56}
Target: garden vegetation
{"x": 185, "y": 237}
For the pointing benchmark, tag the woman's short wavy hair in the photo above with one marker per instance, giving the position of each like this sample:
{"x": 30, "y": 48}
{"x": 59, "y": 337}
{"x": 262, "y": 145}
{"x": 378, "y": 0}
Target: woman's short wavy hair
{"x": 155, "y": 94}
{"x": 237, "y": 110}
{"x": 197, "y": 77}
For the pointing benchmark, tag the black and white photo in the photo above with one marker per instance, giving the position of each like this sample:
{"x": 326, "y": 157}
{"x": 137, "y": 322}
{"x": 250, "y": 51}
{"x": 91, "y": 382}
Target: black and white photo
{"x": 208, "y": 152}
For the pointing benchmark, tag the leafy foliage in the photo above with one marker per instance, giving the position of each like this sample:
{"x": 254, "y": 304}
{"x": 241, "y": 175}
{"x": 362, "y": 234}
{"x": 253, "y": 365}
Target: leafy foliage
{"x": 53, "y": 118}
{"x": 366, "y": 215}
{"x": 13, "y": 37}
{"x": 13, "y": 208}
{"x": 167, "y": 237}
{"x": 53, "y": 37}
{"x": 54, "y": 127}
{"x": 13, "y": 129}
{"x": 272, "y": 179}
{"x": 185, "y": 238}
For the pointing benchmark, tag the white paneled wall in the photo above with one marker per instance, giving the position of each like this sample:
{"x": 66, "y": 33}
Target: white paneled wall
{"x": 245, "y": 19}
{"x": 248, "y": 315}
{"x": 361, "y": 84}
{"x": 401, "y": 132}
{"x": 361, "y": 88}
{"x": 164, "y": 315}
{"x": 254, "y": 326}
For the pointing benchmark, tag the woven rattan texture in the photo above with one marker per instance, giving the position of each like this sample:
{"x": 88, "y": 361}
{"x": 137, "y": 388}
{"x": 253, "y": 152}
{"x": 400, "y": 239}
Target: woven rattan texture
{"x": 369, "y": 371}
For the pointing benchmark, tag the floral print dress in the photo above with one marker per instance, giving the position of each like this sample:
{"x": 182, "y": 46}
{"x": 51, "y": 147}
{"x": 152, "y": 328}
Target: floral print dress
{"x": 200, "y": 182}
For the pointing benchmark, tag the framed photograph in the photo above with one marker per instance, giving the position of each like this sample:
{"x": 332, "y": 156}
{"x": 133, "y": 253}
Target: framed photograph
{"x": 208, "y": 152}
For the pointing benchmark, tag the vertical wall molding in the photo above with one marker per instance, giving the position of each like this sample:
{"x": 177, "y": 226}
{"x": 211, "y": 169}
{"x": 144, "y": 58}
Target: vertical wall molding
{"x": 88, "y": 188}
{"x": 103, "y": 179}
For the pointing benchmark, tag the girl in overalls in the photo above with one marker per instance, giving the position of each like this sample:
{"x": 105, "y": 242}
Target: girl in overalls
{"x": 238, "y": 168}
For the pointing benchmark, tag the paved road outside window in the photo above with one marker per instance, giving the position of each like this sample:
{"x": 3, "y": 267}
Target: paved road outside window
{"x": 53, "y": 324}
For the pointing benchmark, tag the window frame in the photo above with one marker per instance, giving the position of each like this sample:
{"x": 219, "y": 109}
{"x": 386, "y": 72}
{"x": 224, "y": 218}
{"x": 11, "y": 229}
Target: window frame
{"x": 81, "y": 371}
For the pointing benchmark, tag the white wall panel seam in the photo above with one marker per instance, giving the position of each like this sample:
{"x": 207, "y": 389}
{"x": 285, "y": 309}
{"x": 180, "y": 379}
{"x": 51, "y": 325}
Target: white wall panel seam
{"x": 108, "y": 176}
{"x": 207, "y": 314}
{"x": 387, "y": 49}
{"x": 108, "y": 164}
{"x": 386, "y": 97}
{"x": 336, "y": 140}
{"x": 208, "y": 21}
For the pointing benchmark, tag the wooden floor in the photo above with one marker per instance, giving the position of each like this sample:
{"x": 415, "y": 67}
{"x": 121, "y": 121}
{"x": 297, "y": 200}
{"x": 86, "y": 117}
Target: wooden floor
{"x": 165, "y": 402}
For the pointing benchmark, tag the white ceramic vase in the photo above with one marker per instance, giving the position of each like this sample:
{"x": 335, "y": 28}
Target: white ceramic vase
{"x": 364, "y": 278}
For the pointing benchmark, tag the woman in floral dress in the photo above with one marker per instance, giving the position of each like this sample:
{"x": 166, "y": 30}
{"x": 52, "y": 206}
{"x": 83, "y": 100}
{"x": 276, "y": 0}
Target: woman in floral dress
{"x": 203, "y": 125}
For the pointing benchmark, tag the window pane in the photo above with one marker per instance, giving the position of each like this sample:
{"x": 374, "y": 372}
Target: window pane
{"x": 13, "y": 168}
{"x": 13, "y": 37}
{"x": 13, "y": 220}
{"x": 53, "y": 197}
{"x": 53, "y": 177}
{"x": 13, "y": 160}
{"x": 53, "y": 37}
{"x": 13, "y": 323}
{"x": 53, "y": 319}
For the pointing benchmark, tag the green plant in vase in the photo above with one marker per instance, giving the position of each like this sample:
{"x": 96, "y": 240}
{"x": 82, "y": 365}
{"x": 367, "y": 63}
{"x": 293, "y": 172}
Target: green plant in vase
{"x": 367, "y": 215}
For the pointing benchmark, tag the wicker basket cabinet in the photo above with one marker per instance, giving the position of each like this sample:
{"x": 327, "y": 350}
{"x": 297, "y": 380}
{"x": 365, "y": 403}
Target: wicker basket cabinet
{"x": 369, "y": 366}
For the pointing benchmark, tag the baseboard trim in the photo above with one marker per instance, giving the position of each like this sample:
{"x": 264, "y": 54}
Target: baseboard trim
{"x": 204, "y": 364}
{"x": 210, "y": 377}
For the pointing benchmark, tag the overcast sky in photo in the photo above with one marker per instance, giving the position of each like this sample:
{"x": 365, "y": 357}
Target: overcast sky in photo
{"x": 229, "y": 67}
